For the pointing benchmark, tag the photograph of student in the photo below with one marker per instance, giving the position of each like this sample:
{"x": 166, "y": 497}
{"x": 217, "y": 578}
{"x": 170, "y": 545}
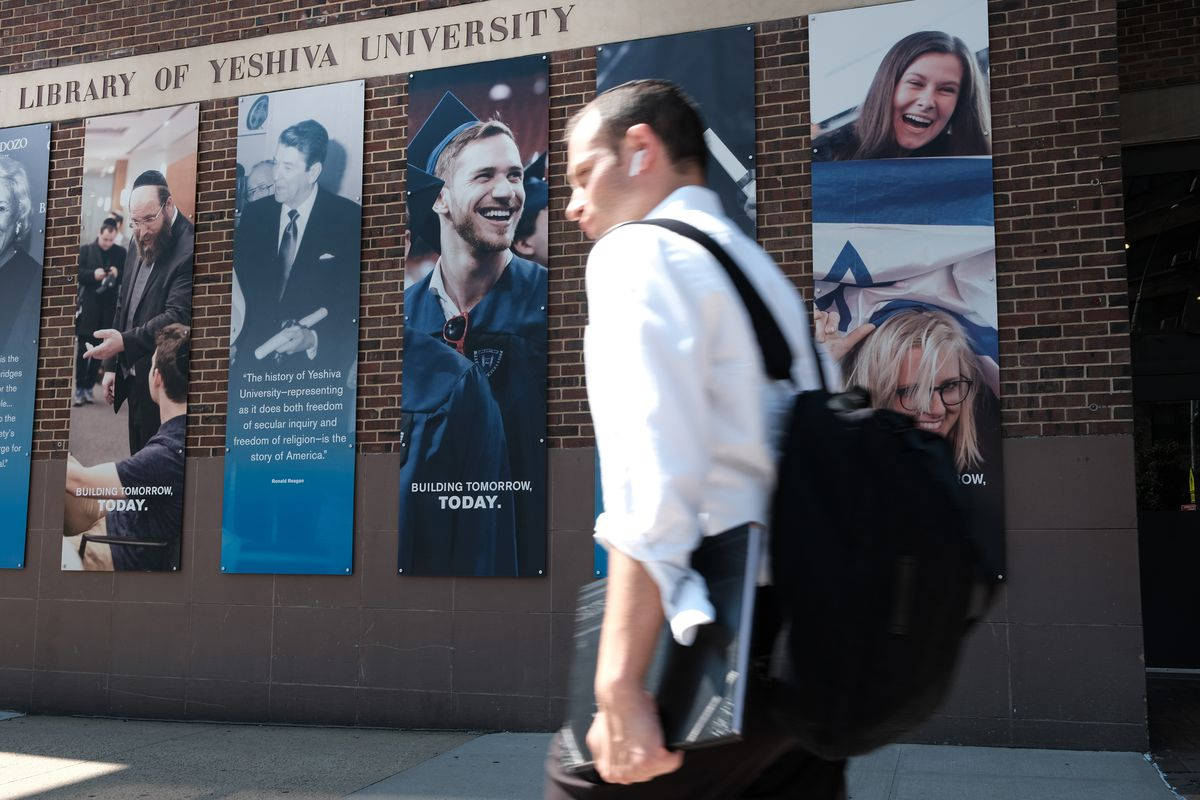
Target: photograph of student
{"x": 483, "y": 301}
{"x": 128, "y": 514}
{"x": 101, "y": 263}
{"x": 155, "y": 292}
{"x": 928, "y": 98}
{"x": 296, "y": 251}
{"x": 20, "y": 273}
{"x": 450, "y": 421}
{"x": 920, "y": 363}
{"x": 138, "y": 168}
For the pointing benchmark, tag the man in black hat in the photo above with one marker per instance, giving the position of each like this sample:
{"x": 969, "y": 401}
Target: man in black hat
{"x": 466, "y": 195}
{"x": 156, "y": 291}
{"x": 291, "y": 254}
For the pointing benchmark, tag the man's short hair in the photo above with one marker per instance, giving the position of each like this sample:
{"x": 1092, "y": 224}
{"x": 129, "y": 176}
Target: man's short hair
{"x": 310, "y": 138}
{"x": 172, "y": 357}
{"x": 662, "y": 105}
{"x": 153, "y": 177}
{"x": 109, "y": 224}
{"x": 476, "y": 132}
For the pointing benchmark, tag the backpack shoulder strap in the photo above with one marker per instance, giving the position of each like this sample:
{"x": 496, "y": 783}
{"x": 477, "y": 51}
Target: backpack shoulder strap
{"x": 777, "y": 355}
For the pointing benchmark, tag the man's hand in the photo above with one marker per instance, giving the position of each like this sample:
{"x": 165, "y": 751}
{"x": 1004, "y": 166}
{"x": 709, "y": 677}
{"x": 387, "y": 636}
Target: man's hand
{"x": 98, "y": 274}
{"x": 626, "y": 740}
{"x": 113, "y": 271}
{"x": 825, "y": 324}
{"x": 111, "y": 343}
{"x": 299, "y": 339}
{"x": 109, "y": 383}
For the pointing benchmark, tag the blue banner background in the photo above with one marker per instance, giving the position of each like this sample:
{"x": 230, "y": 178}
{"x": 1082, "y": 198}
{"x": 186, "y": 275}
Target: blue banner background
{"x": 18, "y": 354}
{"x": 716, "y": 69}
{"x": 290, "y": 425}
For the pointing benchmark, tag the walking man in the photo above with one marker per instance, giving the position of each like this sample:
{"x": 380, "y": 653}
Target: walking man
{"x": 685, "y": 422}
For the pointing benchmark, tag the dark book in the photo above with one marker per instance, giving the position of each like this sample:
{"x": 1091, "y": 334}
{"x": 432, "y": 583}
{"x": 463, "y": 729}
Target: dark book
{"x": 701, "y": 689}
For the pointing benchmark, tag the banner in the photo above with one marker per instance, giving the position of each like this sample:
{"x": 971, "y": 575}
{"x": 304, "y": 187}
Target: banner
{"x": 716, "y": 69}
{"x": 473, "y": 479}
{"x": 293, "y": 356}
{"x": 133, "y": 312}
{"x": 904, "y": 251}
{"x": 24, "y": 165}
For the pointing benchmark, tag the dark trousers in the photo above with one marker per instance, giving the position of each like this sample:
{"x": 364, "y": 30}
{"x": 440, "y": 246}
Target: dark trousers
{"x": 766, "y": 765}
{"x": 142, "y": 413}
{"x": 86, "y": 369}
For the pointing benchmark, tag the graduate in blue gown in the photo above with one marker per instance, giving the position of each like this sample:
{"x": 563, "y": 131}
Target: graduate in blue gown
{"x": 483, "y": 302}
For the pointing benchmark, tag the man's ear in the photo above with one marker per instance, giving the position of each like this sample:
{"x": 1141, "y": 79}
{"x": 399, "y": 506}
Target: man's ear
{"x": 314, "y": 171}
{"x": 641, "y": 138}
{"x": 440, "y": 205}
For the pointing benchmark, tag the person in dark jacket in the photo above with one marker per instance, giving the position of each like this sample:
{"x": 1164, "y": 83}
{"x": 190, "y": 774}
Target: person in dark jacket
{"x": 448, "y": 425}
{"x": 481, "y": 299}
{"x": 99, "y": 280}
{"x": 297, "y": 252}
{"x": 156, "y": 291}
{"x": 141, "y": 528}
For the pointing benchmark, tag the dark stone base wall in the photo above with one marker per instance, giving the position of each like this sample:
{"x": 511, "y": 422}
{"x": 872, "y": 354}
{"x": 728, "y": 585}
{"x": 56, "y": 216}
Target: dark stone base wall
{"x": 1058, "y": 660}
{"x": 1058, "y": 663}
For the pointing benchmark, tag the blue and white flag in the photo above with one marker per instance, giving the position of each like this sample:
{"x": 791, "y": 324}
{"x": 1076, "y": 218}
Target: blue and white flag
{"x": 902, "y": 233}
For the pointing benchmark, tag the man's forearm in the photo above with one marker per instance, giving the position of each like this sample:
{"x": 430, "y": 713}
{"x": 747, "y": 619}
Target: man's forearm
{"x": 633, "y": 618}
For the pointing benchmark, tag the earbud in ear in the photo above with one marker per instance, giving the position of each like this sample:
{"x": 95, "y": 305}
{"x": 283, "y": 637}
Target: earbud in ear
{"x": 635, "y": 163}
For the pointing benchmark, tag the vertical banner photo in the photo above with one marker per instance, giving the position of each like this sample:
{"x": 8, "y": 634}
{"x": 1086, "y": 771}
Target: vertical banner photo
{"x": 473, "y": 479}
{"x": 293, "y": 354}
{"x": 133, "y": 316}
{"x": 24, "y": 165}
{"x": 904, "y": 251}
{"x": 716, "y": 69}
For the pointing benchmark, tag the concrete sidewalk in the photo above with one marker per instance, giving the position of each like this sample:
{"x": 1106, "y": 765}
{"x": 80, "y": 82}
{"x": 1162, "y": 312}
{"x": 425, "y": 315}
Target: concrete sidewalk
{"x": 56, "y": 758}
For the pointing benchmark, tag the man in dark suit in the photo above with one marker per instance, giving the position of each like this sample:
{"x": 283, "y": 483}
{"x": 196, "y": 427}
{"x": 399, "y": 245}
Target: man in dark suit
{"x": 156, "y": 291}
{"x": 295, "y": 254}
{"x": 99, "y": 279}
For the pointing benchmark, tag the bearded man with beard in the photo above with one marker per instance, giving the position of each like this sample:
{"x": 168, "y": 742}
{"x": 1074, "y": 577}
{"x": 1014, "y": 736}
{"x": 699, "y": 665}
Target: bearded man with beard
{"x": 466, "y": 194}
{"x": 155, "y": 292}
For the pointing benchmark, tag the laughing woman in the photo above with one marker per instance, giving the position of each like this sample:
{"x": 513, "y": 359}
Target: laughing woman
{"x": 928, "y": 98}
{"x": 919, "y": 363}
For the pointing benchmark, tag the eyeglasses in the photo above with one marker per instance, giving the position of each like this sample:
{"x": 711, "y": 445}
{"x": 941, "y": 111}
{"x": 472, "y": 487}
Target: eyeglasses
{"x": 454, "y": 332}
{"x": 134, "y": 222}
{"x": 953, "y": 393}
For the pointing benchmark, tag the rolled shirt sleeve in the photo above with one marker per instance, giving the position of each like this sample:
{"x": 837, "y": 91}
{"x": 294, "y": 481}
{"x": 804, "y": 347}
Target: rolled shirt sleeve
{"x": 646, "y": 361}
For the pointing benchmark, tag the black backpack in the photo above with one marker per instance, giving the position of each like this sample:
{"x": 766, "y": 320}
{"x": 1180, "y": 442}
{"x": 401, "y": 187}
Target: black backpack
{"x": 876, "y": 573}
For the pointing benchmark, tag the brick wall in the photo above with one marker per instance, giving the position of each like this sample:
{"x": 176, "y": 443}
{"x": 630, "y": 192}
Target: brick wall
{"x": 1159, "y": 43}
{"x": 1064, "y": 343}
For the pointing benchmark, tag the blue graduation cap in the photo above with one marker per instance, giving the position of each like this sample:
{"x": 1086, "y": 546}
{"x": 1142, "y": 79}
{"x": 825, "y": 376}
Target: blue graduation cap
{"x": 449, "y": 118}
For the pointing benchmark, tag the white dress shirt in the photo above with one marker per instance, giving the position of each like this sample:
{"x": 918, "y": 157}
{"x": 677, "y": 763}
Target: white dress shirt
{"x": 686, "y": 420}
{"x": 304, "y": 210}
